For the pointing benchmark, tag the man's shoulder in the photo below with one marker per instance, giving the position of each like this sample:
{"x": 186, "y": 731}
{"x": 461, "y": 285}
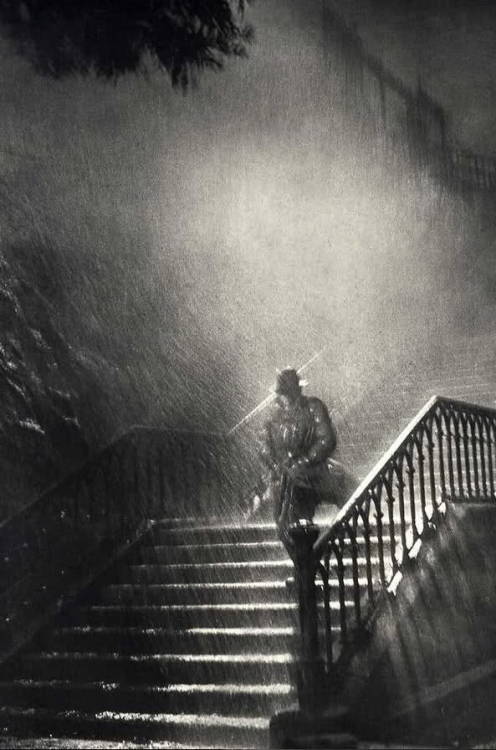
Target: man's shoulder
{"x": 273, "y": 412}
{"x": 315, "y": 403}
{"x": 317, "y": 407}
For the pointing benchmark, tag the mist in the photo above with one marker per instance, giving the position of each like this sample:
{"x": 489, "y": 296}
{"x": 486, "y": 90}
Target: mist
{"x": 202, "y": 240}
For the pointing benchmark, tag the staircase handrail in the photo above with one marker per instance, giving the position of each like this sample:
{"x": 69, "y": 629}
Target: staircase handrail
{"x": 51, "y": 545}
{"x": 425, "y": 117}
{"x": 447, "y": 453}
{"x": 213, "y": 466}
{"x": 368, "y": 480}
{"x": 81, "y": 469}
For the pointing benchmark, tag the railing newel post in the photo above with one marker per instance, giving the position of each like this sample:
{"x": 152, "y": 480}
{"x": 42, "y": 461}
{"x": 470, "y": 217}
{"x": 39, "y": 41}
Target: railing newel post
{"x": 310, "y": 666}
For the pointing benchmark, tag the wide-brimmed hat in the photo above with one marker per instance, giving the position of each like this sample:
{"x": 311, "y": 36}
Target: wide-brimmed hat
{"x": 288, "y": 380}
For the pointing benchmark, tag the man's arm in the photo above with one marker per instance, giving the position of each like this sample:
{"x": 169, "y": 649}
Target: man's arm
{"x": 324, "y": 439}
{"x": 266, "y": 451}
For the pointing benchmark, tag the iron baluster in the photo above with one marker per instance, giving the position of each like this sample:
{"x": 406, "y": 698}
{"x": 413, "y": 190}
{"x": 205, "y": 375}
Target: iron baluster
{"x": 410, "y": 470}
{"x": 466, "y": 455}
{"x": 482, "y": 453}
{"x": 352, "y": 534}
{"x": 392, "y": 535}
{"x": 326, "y": 590}
{"x": 337, "y": 546}
{"x": 475, "y": 445}
{"x": 440, "y": 442}
{"x": 364, "y": 511}
{"x": 457, "y": 438}
{"x": 432, "y": 476}
{"x": 489, "y": 444}
{"x": 400, "y": 485}
{"x": 421, "y": 481}
{"x": 492, "y": 434}
{"x": 450, "y": 438}
{"x": 377, "y": 495}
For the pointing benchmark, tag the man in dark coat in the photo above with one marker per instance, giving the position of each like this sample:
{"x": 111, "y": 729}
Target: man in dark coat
{"x": 298, "y": 440}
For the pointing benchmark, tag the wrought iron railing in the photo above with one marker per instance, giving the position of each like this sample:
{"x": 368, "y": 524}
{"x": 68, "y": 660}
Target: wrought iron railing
{"x": 474, "y": 169}
{"x": 408, "y": 119}
{"x": 71, "y": 531}
{"x": 447, "y": 453}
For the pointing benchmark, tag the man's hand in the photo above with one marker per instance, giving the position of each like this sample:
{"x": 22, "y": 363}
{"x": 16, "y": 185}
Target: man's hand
{"x": 293, "y": 469}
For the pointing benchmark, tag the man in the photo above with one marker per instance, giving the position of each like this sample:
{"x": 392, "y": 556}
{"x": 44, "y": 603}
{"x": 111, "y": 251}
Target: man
{"x": 298, "y": 439}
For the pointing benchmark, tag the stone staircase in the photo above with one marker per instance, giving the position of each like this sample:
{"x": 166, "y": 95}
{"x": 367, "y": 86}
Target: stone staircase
{"x": 189, "y": 640}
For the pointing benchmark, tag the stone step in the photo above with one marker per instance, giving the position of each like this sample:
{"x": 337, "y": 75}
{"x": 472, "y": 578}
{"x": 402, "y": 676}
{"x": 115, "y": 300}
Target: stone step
{"x": 219, "y": 552}
{"x": 191, "y": 615}
{"x": 152, "y": 640}
{"x": 181, "y": 522}
{"x": 239, "y": 592}
{"x": 211, "y": 534}
{"x": 195, "y": 593}
{"x": 197, "y": 554}
{"x": 226, "y": 699}
{"x": 223, "y": 572}
{"x": 161, "y": 668}
{"x": 214, "y": 564}
{"x": 11, "y": 742}
{"x": 211, "y": 554}
{"x": 245, "y": 572}
{"x": 235, "y": 614}
{"x": 215, "y": 730}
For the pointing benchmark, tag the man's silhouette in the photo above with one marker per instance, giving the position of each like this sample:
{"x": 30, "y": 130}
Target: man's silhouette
{"x": 298, "y": 439}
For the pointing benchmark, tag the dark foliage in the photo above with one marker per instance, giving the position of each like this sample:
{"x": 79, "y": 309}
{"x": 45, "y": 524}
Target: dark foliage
{"x": 112, "y": 37}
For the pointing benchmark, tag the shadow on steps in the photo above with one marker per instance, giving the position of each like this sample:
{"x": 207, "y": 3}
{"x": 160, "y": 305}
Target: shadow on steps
{"x": 429, "y": 671}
